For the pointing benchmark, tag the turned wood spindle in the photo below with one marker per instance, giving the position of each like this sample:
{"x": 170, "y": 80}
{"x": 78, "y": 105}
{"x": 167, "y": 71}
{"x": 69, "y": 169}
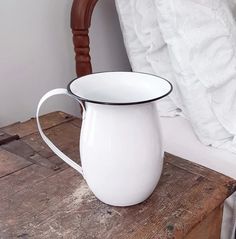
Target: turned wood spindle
{"x": 81, "y": 14}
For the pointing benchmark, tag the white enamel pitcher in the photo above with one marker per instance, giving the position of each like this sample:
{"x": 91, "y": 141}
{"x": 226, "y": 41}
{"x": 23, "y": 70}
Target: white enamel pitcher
{"x": 120, "y": 142}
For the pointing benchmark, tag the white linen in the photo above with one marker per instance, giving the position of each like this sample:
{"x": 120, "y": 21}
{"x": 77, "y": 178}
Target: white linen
{"x": 179, "y": 139}
{"x": 201, "y": 38}
{"x": 201, "y": 45}
{"x": 146, "y": 49}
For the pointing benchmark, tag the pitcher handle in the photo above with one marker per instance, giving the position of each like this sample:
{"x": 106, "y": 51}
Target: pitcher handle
{"x": 57, "y": 151}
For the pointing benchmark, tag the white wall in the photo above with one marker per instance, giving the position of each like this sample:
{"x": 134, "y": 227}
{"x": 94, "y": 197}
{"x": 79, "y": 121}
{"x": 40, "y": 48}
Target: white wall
{"x": 107, "y": 48}
{"x": 36, "y": 53}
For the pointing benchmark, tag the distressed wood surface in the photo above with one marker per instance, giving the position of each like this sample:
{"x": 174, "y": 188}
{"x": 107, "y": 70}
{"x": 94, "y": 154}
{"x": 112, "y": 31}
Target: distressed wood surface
{"x": 208, "y": 226}
{"x": 29, "y": 127}
{"x": 41, "y": 197}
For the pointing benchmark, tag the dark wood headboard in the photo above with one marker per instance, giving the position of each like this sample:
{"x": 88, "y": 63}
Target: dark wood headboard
{"x": 81, "y": 14}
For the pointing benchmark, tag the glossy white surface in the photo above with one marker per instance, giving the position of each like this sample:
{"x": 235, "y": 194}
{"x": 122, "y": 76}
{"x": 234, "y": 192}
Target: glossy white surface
{"x": 120, "y": 87}
{"x": 120, "y": 145}
{"x": 121, "y": 152}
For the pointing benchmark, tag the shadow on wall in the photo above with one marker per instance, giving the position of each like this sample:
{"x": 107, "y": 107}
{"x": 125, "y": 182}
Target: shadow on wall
{"x": 107, "y": 48}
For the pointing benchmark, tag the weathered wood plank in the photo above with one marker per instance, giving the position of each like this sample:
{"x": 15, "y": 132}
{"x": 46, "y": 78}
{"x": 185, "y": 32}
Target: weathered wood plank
{"x": 63, "y": 206}
{"x": 210, "y": 227}
{"x": 32, "y": 206}
{"x": 65, "y": 136}
{"x": 47, "y": 121}
{"x": 6, "y": 138}
{"x": 10, "y": 163}
{"x": 77, "y": 122}
{"x": 19, "y": 148}
{"x": 39, "y": 202}
{"x": 24, "y": 178}
{"x": 199, "y": 170}
{"x": 3, "y": 135}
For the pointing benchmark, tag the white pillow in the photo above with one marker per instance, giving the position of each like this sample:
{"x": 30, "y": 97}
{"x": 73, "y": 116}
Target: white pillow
{"x": 201, "y": 38}
{"x": 146, "y": 49}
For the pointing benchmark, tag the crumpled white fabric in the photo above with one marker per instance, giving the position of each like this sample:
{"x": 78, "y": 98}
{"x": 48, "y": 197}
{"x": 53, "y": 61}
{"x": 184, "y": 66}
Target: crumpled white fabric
{"x": 201, "y": 38}
{"x": 199, "y": 61}
{"x": 146, "y": 49}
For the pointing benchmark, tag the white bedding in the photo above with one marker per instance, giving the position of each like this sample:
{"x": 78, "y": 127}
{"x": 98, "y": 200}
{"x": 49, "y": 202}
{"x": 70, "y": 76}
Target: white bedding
{"x": 201, "y": 38}
{"x": 145, "y": 47}
{"x": 192, "y": 44}
{"x": 179, "y": 139}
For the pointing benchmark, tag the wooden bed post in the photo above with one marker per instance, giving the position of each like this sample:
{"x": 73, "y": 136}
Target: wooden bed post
{"x": 81, "y": 14}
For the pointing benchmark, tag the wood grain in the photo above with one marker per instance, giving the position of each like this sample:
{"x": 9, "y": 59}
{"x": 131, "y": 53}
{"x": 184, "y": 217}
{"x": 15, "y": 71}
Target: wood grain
{"x": 23, "y": 179}
{"x": 65, "y": 136}
{"x": 209, "y": 227}
{"x": 10, "y": 163}
{"x": 37, "y": 201}
{"x": 25, "y": 128}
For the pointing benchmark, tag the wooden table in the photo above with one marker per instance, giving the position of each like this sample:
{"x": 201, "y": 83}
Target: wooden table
{"x": 41, "y": 197}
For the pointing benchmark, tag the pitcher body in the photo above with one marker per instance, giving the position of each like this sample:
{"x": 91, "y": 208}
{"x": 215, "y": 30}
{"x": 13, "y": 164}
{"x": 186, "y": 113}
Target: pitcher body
{"x": 121, "y": 152}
